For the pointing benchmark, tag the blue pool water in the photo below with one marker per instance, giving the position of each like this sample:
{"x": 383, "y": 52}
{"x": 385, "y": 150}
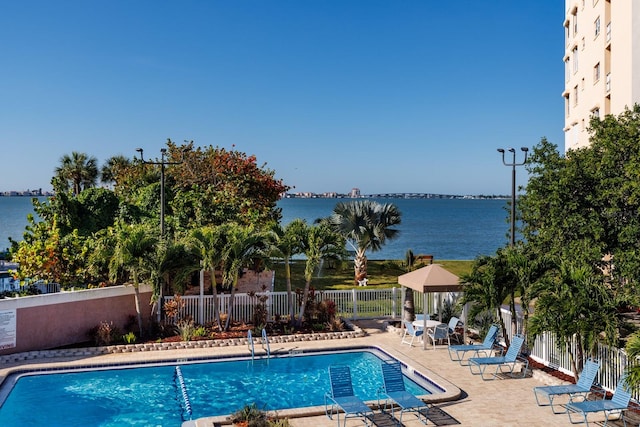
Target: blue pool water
{"x": 148, "y": 396}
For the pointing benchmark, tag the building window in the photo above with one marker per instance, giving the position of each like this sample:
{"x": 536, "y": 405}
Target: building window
{"x": 567, "y": 104}
{"x": 575, "y": 23}
{"x": 595, "y": 113}
{"x": 609, "y": 32}
{"x": 583, "y": 43}
{"x": 597, "y": 26}
{"x": 575, "y": 96}
{"x": 575, "y": 59}
{"x": 596, "y": 73}
{"x": 567, "y": 70}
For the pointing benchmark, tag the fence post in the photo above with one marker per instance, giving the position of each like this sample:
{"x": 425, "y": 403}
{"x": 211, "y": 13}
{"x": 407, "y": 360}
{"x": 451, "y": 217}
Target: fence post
{"x": 201, "y": 299}
{"x": 354, "y": 297}
{"x": 394, "y": 303}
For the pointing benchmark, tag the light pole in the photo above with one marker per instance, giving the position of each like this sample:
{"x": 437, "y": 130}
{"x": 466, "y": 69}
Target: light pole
{"x": 513, "y": 165}
{"x": 162, "y": 163}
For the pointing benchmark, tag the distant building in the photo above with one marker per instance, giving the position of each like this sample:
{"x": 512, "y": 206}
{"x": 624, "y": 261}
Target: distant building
{"x": 355, "y": 193}
{"x": 602, "y": 63}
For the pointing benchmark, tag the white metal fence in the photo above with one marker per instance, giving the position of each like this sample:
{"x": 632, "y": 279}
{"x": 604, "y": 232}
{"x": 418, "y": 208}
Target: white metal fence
{"x": 545, "y": 350}
{"x": 388, "y": 303}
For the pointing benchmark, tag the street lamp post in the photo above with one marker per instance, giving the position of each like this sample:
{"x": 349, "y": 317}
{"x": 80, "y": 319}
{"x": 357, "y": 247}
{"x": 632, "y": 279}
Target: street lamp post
{"x": 162, "y": 163}
{"x": 513, "y": 165}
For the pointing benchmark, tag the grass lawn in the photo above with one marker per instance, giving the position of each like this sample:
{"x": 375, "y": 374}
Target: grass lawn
{"x": 381, "y": 274}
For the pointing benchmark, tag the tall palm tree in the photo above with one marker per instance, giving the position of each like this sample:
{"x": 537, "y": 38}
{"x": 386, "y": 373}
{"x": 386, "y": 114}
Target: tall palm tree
{"x": 243, "y": 245}
{"x": 173, "y": 263}
{"x": 208, "y": 243}
{"x": 408, "y": 306}
{"x": 366, "y": 225}
{"x": 486, "y": 288}
{"x": 132, "y": 256}
{"x": 112, "y": 169}
{"x": 575, "y": 304}
{"x": 79, "y": 170}
{"x": 526, "y": 272}
{"x": 321, "y": 242}
{"x": 289, "y": 241}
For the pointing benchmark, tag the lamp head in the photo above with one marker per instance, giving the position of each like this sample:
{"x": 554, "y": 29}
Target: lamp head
{"x": 512, "y": 150}
{"x": 163, "y": 150}
{"x": 139, "y": 150}
{"x": 501, "y": 150}
{"x": 525, "y": 149}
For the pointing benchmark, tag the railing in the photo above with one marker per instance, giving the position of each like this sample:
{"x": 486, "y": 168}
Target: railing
{"x": 350, "y": 304}
{"x": 545, "y": 350}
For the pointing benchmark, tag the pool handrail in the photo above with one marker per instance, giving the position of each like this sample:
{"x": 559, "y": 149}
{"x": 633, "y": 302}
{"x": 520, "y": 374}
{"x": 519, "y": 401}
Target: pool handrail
{"x": 250, "y": 344}
{"x": 265, "y": 342}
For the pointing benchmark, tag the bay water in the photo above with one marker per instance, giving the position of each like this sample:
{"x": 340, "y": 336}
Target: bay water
{"x": 448, "y": 229}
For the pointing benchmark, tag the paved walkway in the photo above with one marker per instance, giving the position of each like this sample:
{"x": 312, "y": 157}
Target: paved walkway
{"x": 501, "y": 402}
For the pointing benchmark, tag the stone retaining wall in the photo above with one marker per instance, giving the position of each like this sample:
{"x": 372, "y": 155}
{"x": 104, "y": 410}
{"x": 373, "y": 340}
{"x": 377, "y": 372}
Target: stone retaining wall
{"x": 160, "y": 346}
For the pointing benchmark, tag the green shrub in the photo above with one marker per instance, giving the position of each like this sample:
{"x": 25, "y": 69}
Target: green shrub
{"x": 251, "y": 415}
{"x": 129, "y": 338}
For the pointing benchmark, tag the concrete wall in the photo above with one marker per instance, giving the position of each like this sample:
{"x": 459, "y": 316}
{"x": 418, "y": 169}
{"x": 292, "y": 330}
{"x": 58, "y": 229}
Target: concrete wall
{"x": 61, "y": 319}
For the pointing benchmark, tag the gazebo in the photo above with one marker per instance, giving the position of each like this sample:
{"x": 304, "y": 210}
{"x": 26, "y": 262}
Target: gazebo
{"x": 430, "y": 279}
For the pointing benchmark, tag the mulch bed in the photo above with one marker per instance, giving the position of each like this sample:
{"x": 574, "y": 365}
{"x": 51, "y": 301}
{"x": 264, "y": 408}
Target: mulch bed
{"x": 551, "y": 371}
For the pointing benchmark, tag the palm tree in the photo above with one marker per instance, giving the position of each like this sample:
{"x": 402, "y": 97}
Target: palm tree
{"x": 321, "y": 242}
{"x": 526, "y": 272}
{"x": 633, "y": 369}
{"x": 365, "y": 225}
{"x": 409, "y": 307}
{"x": 207, "y": 244}
{"x": 78, "y": 170}
{"x": 486, "y": 288}
{"x": 243, "y": 245}
{"x": 112, "y": 169}
{"x": 173, "y": 264}
{"x": 132, "y": 256}
{"x": 289, "y": 241}
{"x": 575, "y": 304}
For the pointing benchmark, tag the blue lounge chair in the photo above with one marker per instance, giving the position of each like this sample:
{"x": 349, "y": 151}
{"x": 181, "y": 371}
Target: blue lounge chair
{"x": 510, "y": 360}
{"x": 617, "y": 405}
{"x": 457, "y": 352}
{"x": 410, "y": 331}
{"x": 341, "y": 397}
{"x": 581, "y": 388}
{"x": 395, "y": 391}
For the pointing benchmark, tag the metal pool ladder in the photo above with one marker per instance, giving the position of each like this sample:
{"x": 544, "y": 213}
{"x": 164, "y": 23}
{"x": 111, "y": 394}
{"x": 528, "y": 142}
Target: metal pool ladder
{"x": 265, "y": 344}
{"x": 183, "y": 389}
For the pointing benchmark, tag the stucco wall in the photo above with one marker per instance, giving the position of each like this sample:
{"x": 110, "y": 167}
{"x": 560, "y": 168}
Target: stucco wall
{"x": 55, "y": 320}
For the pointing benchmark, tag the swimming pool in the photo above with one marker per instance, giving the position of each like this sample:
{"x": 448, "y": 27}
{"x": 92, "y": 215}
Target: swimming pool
{"x": 151, "y": 396}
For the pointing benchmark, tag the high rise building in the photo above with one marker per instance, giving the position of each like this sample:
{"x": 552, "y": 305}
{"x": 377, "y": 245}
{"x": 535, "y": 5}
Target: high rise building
{"x": 602, "y": 63}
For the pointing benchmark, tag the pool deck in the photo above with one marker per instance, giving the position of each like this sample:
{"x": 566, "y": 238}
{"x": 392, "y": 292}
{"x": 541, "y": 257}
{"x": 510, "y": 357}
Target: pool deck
{"x": 470, "y": 401}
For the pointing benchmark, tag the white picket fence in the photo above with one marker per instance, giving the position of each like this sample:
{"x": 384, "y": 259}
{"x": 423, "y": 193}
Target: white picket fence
{"x": 387, "y": 303}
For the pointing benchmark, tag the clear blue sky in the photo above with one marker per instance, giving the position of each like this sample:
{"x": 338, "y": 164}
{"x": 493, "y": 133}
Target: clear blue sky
{"x": 386, "y": 96}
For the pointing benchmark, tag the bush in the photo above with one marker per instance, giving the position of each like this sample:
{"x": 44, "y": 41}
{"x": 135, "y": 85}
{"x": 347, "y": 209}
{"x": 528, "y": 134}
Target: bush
{"x": 105, "y": 334}
{"x": 129, "y": 338}
{"x": 251, "y": 416}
